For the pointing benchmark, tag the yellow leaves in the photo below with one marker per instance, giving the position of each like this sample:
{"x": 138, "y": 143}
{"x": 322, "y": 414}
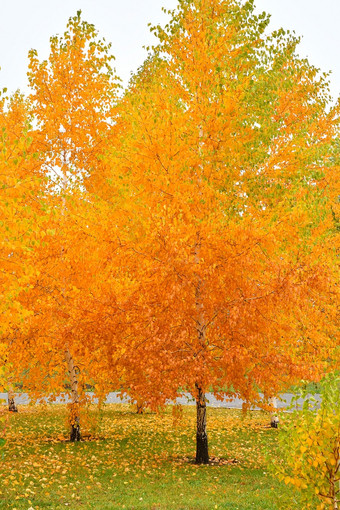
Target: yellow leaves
{"x": 288, "y": 480}
{"x": 311, "y": 445}
{"x": 120, "y": 276}
{"x": 316, "y": 462}
{"x": 147, "y": 151}
{"x": 297, "y": 482}
{"x": 118, "y": 461}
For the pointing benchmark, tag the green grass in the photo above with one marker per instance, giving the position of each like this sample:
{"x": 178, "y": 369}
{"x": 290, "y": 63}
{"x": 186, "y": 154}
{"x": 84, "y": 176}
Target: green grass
{"x": 138, "y": 461}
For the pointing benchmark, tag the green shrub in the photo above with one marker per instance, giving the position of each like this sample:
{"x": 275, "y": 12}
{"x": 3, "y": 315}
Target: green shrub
{"x": 309, "y": 440}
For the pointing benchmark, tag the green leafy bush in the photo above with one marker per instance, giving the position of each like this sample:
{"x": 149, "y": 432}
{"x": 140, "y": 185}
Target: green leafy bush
{"x": 309, "y": 441}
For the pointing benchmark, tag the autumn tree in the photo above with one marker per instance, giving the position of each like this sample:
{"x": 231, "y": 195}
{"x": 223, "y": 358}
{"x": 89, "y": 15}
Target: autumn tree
{"x": 23, "y": 214}
{"x": 73, "y": 94}
{"x": 191, "y": 239}
{"x": 225, "y": 162}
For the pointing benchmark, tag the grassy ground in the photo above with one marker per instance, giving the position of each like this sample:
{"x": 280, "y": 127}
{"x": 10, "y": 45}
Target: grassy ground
{"x": 137, "y": 461}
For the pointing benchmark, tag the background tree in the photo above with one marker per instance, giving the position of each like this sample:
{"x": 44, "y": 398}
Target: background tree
{"x": 73, "y": 93}
{"x": 23, "y": 213}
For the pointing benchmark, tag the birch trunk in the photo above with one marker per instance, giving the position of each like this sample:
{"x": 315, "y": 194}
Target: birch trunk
{"x": 11, "y": 400}
{"x": 274, "y": 419}
{"x": 202, "y": 453}
{"x": 74, "y": 406}
{"x": 12, "y": 408}
{"x": 140, "y": 407}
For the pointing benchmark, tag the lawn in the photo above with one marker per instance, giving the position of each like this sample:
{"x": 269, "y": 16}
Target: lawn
{"x": 138, "y": 461}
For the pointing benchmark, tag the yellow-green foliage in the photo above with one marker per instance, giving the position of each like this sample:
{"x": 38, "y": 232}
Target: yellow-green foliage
{"x": 309, "y": 441}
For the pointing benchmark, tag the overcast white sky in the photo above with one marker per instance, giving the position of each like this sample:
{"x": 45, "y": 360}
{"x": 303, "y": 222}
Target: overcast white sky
{"x": 26, "y": 24}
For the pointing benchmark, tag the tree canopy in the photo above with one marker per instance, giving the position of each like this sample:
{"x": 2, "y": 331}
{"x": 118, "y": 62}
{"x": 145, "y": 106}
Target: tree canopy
{"x": 194, "y": 237}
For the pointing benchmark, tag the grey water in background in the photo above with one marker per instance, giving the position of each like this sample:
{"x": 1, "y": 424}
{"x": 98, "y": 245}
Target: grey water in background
{"x": 283, "y": 400}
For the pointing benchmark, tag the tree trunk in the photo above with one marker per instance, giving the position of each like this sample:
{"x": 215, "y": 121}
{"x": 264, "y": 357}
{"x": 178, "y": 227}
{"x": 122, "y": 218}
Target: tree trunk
{"x": 11, "y": 404}
{"x": 274, "y": 419}
{"x": 75, "y": 431}
{"x": 74, "y": 406}
{"x": 11, "y": 400}
{"x": 202, "y": 454}
{"x": 140, "y": 407}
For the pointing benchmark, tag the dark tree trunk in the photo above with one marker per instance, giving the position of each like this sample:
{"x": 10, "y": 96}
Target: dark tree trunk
{"x": 75, "y": 432}
{"x": 140, "y": 408}
{"x": 202, "y": 454}
{"x": 11, "y": 405}
{"x": 274, "y": 422}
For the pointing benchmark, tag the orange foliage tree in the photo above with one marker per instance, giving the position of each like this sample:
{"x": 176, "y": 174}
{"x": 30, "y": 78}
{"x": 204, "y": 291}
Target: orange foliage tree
{"x": 191, "y": 241}
{"x": 73, "y": 94}
{"x": 23, "y": 215}
{"x": 225, "y": 159}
